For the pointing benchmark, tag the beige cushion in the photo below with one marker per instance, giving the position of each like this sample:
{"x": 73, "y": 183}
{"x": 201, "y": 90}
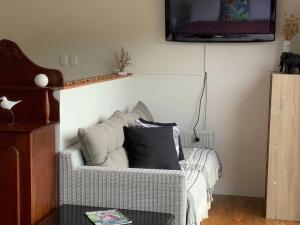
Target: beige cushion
{"x": 120, "y": 115}
{"x": 102, "y": 144}
{"x": 129, "y": 118}
{"x": 116, "y": 159}
{"x": 142, "y": 110}
{"x": 139, "y": 111}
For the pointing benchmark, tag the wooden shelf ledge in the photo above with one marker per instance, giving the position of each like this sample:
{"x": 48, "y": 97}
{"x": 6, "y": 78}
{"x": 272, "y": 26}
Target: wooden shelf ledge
{"x": 93, "y": 80}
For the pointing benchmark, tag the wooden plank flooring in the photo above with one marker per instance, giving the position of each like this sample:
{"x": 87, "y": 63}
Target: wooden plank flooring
{"x": 235, "y": 210}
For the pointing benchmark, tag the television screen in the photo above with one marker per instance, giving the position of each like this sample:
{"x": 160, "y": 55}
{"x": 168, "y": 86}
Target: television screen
{"x": 220, "y": 20}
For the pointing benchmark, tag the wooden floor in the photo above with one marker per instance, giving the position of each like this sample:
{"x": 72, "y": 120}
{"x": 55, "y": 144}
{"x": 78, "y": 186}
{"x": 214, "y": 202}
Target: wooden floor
{"x": 233, "y": 210}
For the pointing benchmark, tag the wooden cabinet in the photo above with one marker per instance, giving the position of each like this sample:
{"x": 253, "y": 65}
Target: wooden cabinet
{"x": 30, "y": 189}
{"x": 9, "y": 186}
{"x": 27, "y": 148}
{"x": 283, "y": 182}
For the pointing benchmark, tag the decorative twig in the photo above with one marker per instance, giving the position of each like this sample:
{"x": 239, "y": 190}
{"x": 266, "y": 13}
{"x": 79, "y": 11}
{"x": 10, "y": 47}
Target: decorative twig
{"x": 122, "y": 60}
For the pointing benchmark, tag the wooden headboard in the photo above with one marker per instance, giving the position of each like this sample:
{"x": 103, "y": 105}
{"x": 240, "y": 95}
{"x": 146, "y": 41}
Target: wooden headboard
{"x": 17, "y": 73}
{"x": 18, "y": 70}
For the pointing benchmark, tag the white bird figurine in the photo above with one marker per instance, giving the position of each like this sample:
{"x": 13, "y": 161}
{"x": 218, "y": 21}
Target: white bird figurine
{"x": 8, "y": 105}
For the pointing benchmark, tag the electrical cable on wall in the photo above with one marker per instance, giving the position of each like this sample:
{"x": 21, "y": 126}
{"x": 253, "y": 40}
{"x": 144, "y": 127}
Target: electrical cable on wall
{"x": 205, "y": 106}
{"x": 203, "y": 94}
{"x": 205, "y": 86}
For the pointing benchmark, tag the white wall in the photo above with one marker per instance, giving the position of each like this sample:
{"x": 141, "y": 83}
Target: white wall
{"x": 238, "y": 112}
{"x": 238, "y": 73}
{"x": 170, "y": 97}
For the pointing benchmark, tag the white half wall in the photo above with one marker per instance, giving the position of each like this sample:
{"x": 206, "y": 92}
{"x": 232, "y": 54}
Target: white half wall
{"x": 85, "y": 106}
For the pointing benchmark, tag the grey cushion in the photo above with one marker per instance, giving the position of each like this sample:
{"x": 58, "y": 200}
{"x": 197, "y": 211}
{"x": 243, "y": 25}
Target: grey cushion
{"x": 142, "y": 110}
{"x": 102, "y": 144}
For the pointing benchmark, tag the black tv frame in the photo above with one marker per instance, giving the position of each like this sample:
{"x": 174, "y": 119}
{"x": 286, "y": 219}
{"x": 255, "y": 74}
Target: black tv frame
{"x": 217, "y": 37}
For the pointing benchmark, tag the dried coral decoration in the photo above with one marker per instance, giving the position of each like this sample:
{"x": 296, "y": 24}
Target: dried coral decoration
{"x": 122, "y": 60}
{"x": 290, "y": 27}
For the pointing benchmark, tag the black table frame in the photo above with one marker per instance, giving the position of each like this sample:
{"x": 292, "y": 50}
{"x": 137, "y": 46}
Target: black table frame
{"x": 74, "y": 215}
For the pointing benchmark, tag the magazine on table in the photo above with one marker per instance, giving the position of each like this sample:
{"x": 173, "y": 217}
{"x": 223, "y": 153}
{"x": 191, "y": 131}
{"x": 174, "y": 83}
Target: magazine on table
{"x": 107, "y": 217}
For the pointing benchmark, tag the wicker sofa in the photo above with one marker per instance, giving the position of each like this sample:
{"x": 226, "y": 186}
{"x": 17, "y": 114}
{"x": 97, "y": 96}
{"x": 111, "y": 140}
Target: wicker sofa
{"x": 136, "y": 189}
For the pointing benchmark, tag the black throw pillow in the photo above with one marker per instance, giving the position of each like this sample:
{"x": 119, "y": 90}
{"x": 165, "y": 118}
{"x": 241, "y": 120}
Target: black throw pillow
{"x": 144, "y": 123}
{"x": 151, "y": 148}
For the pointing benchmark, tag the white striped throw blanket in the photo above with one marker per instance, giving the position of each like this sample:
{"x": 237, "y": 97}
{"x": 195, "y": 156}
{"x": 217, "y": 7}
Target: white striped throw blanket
{"x": 203, "y": 169}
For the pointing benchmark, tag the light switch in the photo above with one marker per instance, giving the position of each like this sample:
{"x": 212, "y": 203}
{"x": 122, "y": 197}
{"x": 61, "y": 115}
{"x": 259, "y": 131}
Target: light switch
{"x": 63, "y": 59}
{"x": 73, "y": 60}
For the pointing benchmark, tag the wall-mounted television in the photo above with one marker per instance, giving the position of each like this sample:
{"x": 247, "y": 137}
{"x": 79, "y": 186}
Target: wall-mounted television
{"x": 220, "y": 20}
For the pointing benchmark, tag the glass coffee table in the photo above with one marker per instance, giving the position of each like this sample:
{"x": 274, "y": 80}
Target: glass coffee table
{"x": 74, "y": 215}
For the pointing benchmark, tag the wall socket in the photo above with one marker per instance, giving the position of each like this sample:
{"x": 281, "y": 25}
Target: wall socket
{"x": 73, "y": 60}
{"x": 68, "y": 59}
{"x": 63, "y": 59}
